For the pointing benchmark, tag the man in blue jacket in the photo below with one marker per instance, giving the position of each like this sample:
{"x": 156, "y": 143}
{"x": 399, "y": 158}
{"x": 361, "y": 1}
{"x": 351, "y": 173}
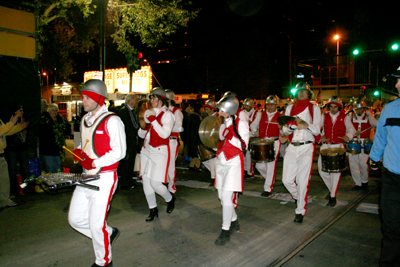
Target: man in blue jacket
{"x": 387, "y": 146}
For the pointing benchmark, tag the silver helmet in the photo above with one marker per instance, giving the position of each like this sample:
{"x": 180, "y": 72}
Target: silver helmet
{"x": 248, "y": 102}
{"x": 228, "y": 104}
{"x": 304, "y": 86}
{"x": 211, "y": 104}
{"x": 271, "y": 100}
{"x": 95, "y": 86}
{"x": 358, "y": 104}
{"x": 335, "y": 100}
{"x": 228, "y": 93}
{"x": 158, "y": 91}
{"x": 170, "y": 94}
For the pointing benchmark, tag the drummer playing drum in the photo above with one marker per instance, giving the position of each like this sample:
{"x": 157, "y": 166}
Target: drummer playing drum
{"x": 362, "y": 121}
{"x": 337, "y": 129}
{"x": 265, "y": 126}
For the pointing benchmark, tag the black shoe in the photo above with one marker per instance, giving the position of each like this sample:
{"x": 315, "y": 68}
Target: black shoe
{"x": 364, "y": 186}
{"x": 248, "y": 176}
{"x": 356, "y": 188}
{"x": 266, "y": 194}
{"x": 234, "y": 227}
{"x": 223, "y": 238}
{"x": 114, "y": 235}
{"x": 108, "y": 265}
{"x": 332, "y": 202}
{"x": 171, "y": 205}
{"x": 298, "y": 218}
{"x": 153, "y": 213}
{"x": 212, "y": 182}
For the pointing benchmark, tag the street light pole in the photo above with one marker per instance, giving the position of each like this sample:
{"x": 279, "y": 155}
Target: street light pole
{"x": 337, "y": 37}
{"x": 47, "y": 84}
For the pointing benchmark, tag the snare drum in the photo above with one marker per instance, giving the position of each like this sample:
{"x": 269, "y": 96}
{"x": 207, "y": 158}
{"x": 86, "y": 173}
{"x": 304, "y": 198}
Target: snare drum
{"x": 205, "y": 153}
{"x": 367, "y": 145}
{"x": 353, "y": 147}
{"x": 262, "y": 150}
{"x": 334, "y": 160}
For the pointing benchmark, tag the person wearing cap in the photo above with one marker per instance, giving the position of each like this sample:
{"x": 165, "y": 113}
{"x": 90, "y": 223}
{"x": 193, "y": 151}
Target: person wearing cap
{"x": 17, "y": 152}
{"x": 363, "y": 122}
{"x": 302, "y": 131}
{"x": 53, "y": 129}
{"x": 173, "y": 139}
{"x": 387, "y": 147}
{"x": 131, "y": 122}
{"x": 234, "y": 135}
{"x": 7, "y": 129}
{"x": 252, "y": 113}
{"x": 104, "y": 145}
{"x": 265, "y": 126}
{"x": 210, "y": 107}
{"x": 337, "y": 129}
{"x": 154, "y": 157}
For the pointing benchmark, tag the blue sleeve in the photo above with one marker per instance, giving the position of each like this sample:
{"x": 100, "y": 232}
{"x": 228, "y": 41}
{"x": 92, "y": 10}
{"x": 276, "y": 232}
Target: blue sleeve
{"x": 380, "y": 139}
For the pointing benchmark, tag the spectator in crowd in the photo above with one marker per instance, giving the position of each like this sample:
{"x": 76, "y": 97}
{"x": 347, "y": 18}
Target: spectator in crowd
{"x": 112, "y": 107}
{"x": 53, "y": 130}
{"x": 7, "y": 129}
{"x": 17, "y": 151}
{"x": 44, "y": 107}
{"x": 186, "y": 109}
{"x": 193, "y": 140}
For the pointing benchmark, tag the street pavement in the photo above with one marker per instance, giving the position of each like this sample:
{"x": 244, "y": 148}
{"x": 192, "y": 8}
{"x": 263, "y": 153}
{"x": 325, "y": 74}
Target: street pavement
{"x": 37, "y": 233}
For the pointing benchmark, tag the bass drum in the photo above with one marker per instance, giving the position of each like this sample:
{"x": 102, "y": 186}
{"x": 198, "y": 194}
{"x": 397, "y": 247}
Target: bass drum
{"x": 262, "y": 150}
{"x": 334, "y": 160}
{"x": 142, "y": 106}
{"x": 205, "y": 153}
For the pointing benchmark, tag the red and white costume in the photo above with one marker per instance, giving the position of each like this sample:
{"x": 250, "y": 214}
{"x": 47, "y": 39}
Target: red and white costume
{"x": 299, "y": 155}
{"x": 267, "y": 125}
{"x": 335, "y": 126}
{"x": 229, "y": 167}
{"x": 248, "y": 165}
{"x": 359, "y": 162}
{"x": 88, "y": 208}
{"x": 174, "y": 147}
{"x": 155, "y": 155}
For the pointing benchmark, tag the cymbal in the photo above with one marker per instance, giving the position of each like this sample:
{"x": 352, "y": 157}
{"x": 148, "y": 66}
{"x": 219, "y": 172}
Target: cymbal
{"x": 283, "y": 120}
{"x": 143, "y": 106}
{"x": 209, "y": 131}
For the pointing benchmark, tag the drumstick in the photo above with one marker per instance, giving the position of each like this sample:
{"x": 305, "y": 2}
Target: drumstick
{"x": 365, "y": 130}
{"x": 72, "y": 153}
{"x": 87, "y": 140}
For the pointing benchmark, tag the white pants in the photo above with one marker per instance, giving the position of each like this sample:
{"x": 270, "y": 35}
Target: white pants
{"x": 331, "y": 180}
{"x": 173, "y": 148}
{"x": 297, "y": 168}
{"x": 228, "y": 209}
{"x": 359, "y": 167}
{"x": 151, "y": 187}
{"x": 267, "y": 169}
{"x": 248, "y": 165}
{"x": 88, "y": 213}
{"x": 210, "y": 165}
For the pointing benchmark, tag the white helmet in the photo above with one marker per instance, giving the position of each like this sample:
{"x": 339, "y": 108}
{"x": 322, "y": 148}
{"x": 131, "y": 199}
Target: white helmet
{"x": 248, "y": 102}
{"x": 304, "y": 86}
{"x": 271, "y": 100}
{"x": 95, "y": 86}
{"x": 210, "y": 104}
{"x": 228, "y": 104}
{"x": 335, "y": 100}
{"x": 358, "y": 104}
{"x": 228, "y": 93}
{"x": 170, "y": 94}
{"x": 158, "y": 91}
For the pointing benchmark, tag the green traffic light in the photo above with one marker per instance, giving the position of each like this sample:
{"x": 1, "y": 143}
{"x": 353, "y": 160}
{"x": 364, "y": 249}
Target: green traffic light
{"x": 376, "y": 93}
{"x": 356, "y": 52}
{"x": 293, "y": 91}
{"x": 395, "y": 46}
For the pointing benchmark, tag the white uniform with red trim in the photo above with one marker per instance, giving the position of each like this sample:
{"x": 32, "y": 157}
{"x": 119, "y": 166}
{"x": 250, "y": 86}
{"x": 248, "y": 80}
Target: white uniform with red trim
{"x": 174, "y": 147}
{"x": 297, "y": 163}
{"x": 334, "y": 126}
{"x": 229, "y": 167}
{"x": 267, "y": 125}
{"x": 88, "y": 208}
{"x": 248, "y": 165}
{"x": 155, "y": 156}
{"x": 359, "y": 162}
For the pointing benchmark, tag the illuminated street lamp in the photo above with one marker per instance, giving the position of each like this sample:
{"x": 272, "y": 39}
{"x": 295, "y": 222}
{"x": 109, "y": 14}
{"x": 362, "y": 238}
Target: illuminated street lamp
{"x": 47, "y": 84}
{"x": 337, "y": 37}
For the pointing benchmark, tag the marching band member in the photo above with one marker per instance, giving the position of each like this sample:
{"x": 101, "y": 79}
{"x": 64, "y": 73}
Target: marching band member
{"x": 338, "y": 129}
{"x": 173, "y": 139}
{"x": 362, "y": 121}
{"x": 264, "y": 126}
{"x": 297, "y": 163}
{"x": 88, "y": 209}
{"x": 248, "y": 105}
{"x": 234, "y": 134}
{"x": 210, "y": 108}
{"x": 155, "y": 152}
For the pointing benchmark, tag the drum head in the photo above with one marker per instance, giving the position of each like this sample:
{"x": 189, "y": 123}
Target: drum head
{"x": 209, "y": 131}
{"x": 333, "y": 151}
